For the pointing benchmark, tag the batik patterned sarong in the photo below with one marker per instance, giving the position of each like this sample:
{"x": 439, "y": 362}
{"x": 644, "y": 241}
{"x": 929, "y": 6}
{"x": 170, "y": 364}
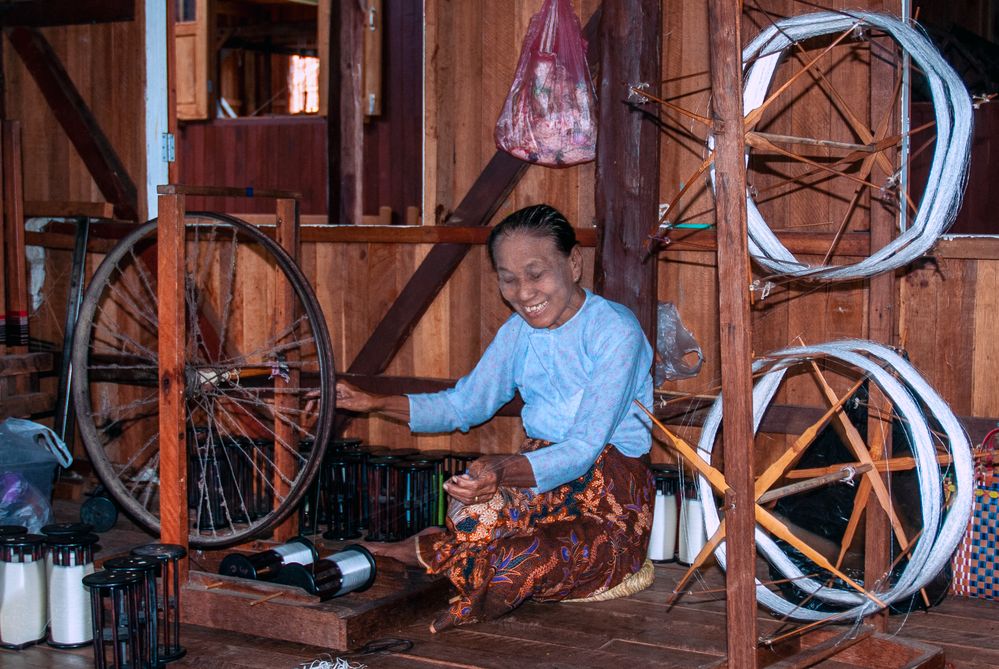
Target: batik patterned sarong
{"x": 577, "y": 540}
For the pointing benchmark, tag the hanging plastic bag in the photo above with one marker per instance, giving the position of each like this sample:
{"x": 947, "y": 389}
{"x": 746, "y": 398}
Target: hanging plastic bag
{"x": 24, "y": 434}
{"x": 674, "y": 345}
{"x": 549, "y": 116}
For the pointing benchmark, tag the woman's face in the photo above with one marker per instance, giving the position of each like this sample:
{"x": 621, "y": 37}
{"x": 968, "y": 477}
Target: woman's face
{"x": 538, "y": 282}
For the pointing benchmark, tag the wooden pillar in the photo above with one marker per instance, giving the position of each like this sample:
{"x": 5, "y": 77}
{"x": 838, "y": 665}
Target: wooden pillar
{"x": 725, "y": 41}
{"x": 881, "y": 328}
{"x": 627, "y": 198}
{"x": 286, "y": 437}
{"x": 16, "y": 280}
{"x": 345, "y": 120}
{"x": 174, "y": 526}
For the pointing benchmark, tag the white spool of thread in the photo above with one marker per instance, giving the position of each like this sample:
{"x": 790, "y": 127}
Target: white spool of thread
{"x": 70, "y": 559}
{"x": 663, "y": 536}
{"x": 692, "y": 536}
{"x": 22, "y": 591}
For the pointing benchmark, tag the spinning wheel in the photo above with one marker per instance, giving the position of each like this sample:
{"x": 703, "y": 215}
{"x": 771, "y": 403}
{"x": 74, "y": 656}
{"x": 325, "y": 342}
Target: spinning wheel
{"x": 795, "y": 72}
{"x": 907, "y": 477}
{"x": 251, "y": 369}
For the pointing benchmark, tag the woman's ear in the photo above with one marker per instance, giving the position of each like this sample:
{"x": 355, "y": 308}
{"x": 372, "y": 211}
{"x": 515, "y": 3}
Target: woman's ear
{"x": 576, "y": 263}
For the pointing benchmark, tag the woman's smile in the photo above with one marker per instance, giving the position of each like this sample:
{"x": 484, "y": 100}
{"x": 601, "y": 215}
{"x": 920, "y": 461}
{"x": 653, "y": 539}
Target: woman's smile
{"x": 537, "y": 280}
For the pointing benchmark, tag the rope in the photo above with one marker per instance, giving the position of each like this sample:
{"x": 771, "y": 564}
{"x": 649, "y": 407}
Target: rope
{"x": 941, "y": 533}
{"x": 948, "y": 171}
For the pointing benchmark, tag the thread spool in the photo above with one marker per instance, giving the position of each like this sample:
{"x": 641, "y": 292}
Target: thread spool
{"x": 12, "y": 530}
{"x": 70, "y": 617}
{"x": 265, "y": 565}
{"x": 62, "y": 530}
{"x": 23, "y": 615}
{"x": 168, "y": 598}
{"x": 663, "y": 536}
{"x": 385, "y": 510}
{"x": 341, "y": 477}
{"x": 147, "y": 603}
{"x": 436, "y": 508}
{"x": 349, "y": 570}
{"x": 692, "y": 536}
{"x": 209, "y": 481}
{"x": 114, "y": 608}
{"x": 419, "y": 496}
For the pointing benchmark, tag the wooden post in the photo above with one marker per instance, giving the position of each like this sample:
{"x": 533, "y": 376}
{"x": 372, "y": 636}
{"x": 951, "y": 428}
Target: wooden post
{"x": 628, "y": 158}
{"x": 174, "y": 527}
{"x": 725, "y": 41}
{"x": 345, "y": 127}
{"x": 881, "y": 327}
{"x": 13, "y": 232}
{"x": 285, "y": 436}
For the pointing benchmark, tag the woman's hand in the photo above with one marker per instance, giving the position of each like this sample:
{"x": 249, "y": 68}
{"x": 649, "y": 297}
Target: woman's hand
{"x": 478, "y": 484}
{"x": 351, "y": 398}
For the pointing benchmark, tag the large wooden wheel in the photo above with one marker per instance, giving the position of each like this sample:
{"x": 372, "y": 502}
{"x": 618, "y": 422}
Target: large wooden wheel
{"x": 251, "y": 371}
{"x": 820, "y": 553}
{"x": 802, "y": 75}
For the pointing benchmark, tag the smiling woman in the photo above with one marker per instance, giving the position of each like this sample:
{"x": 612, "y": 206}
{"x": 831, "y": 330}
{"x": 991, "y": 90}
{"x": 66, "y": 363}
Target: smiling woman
{"x": 569, "y": 516}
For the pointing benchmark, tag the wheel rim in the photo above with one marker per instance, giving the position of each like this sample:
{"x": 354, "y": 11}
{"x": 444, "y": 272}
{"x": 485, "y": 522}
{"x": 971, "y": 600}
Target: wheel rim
{"x": 248, "y": 380}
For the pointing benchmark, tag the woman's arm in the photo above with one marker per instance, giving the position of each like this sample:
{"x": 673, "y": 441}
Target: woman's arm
{"x": 352, "y": 398}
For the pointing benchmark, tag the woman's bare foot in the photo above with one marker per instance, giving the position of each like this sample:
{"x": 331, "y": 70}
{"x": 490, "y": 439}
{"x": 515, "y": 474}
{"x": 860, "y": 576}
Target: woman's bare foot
{"x": 402, "y": 551}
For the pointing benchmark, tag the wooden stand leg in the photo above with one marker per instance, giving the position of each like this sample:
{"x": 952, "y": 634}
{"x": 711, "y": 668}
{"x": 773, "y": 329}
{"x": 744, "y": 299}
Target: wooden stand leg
{"x": 174, "y": 526}
{"x": 286, "y": 437}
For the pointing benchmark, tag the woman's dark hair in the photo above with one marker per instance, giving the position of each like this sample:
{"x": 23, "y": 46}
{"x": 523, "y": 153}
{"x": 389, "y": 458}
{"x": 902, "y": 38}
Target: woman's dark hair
{"x": 540, "y": 220}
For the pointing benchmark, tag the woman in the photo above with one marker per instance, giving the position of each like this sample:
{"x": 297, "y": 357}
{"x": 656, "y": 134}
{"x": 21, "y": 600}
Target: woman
{"x": 569, "y": 516}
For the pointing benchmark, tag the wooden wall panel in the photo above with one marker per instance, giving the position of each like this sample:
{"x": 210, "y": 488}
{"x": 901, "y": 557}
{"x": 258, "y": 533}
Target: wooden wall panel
{"x": 106, "y": 62}
{"x": 283, "y": 153}
{"x": 472, "y": 52}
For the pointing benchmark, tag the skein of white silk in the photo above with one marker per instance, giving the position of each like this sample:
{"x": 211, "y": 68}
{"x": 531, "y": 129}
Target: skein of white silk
{"x": 69, "y": 605}
{"x": 22, "y": 602}
{"x": 948, "y": 170}
{"x": 941, "y": 532}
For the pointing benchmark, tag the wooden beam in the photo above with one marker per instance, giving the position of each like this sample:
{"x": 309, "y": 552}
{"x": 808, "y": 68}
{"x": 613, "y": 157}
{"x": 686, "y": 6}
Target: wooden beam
{"x": 77, "y": 121}
{"x": 44, "y": 209}
{"x": 628, "y": 158}
{"x": 476, "y": 209}
{"x": 345, "y": 131}
{"x": 174, "y": 528}
{"x": 38, "y": 13}
{"x": 724, "y": 45}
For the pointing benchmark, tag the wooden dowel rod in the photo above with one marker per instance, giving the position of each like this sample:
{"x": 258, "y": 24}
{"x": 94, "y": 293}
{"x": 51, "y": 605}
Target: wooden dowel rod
{"x": 842, "y": 474}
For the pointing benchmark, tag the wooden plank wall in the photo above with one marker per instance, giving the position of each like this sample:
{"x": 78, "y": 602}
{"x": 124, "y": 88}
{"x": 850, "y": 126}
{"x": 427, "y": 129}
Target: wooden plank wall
{"x": 106, "y": 61}
{"x": 283, "y": 153}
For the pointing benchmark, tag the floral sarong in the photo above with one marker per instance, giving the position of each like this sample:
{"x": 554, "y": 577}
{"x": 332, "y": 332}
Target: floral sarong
{"x": 577, "y": 540}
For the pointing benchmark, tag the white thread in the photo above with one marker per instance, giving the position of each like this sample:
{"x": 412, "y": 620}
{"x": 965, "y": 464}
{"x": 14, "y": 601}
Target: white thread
{"x": 326, "y": 661}
{"x": 948, "y": 171}
{"x": 662, "y": 540}
{"x": 22, "y": 602}
{"x": 69, "y": 605}
{"x": 692, "y": 535}
{"x": 294, "y": 552}
{"x": 355, "y": 569}
{"x": 902, "y": 384}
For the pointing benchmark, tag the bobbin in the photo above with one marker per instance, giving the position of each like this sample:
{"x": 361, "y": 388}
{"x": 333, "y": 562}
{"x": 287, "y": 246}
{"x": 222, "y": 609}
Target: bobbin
{"x": 341, "y": 482}
{"x": 168, "y": 598}
{"x": 70, "y": 558}
{"x": 663, "y": 539}
{"x": 114, "y": 601}
{"x": 12, "y": 530}
{"x": 351, "y": 569}
{"x": 23, "y": 600}
{"x": 438, "y": 505}
{"x": 385, "y": 520}
{"x": 265, "y": 565}
{"x": 148, "y": 602}
{"x": 67, "y": 529}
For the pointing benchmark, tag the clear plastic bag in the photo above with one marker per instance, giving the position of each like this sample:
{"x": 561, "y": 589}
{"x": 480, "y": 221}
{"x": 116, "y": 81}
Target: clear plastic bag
{"x": 674, "y": 346}
{"x": 22, "y": 504}
{"x": 549, "y": 116}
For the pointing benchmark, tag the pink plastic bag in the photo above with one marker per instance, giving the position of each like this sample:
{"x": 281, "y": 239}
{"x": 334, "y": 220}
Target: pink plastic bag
{"x": 549, "y": 116}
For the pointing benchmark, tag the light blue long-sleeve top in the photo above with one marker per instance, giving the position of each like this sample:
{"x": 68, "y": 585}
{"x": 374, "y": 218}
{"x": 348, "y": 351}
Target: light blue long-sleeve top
{"x": 578, "y": 382}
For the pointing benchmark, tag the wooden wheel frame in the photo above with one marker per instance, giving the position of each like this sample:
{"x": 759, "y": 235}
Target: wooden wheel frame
{"x": 858, "y": 167}
{"x": 250, "y": 373}
{"x": 936, "y": 440}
